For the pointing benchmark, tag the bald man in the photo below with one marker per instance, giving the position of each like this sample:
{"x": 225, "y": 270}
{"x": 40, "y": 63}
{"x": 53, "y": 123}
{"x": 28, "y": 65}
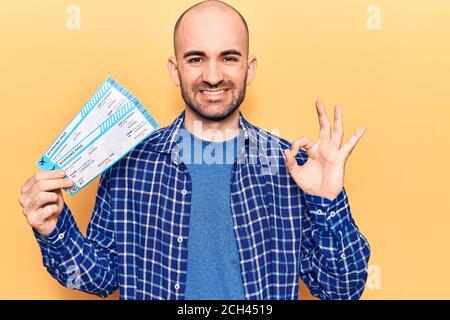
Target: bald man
{"x": 210, "y": 207}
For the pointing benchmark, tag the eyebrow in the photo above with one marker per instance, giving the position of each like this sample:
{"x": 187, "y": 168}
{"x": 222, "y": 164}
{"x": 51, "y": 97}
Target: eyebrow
{"x": 203, "y": 53}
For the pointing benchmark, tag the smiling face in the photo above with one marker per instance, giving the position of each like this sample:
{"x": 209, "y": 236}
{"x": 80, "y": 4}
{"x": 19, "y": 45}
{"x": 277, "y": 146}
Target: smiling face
{"x": 212, "y": 66}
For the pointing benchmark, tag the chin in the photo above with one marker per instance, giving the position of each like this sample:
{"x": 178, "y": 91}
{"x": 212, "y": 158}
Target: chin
{"x": 215, "y": 114}
{"x": 214, "y": 108}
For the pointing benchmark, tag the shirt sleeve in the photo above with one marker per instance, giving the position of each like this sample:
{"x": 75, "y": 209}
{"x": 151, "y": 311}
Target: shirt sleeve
{"x": 334, "y": 254}
{"x": 87, "y": 263}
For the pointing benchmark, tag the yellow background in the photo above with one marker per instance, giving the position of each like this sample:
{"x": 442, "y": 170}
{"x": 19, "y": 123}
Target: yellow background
{"x": 394, "y": 80}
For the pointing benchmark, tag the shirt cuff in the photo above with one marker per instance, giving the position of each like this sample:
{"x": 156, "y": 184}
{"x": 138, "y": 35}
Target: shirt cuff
{"x": 327, "y": 213}
{"x": 55, "y": 246}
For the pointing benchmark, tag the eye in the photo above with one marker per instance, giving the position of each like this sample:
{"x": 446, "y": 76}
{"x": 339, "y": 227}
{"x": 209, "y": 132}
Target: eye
{"x": 195, "y": 60}
{"x": 231, "y": 59}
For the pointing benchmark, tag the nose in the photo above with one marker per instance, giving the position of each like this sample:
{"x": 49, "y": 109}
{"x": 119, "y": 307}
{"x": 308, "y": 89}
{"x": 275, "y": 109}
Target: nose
{"x": 212, "y": 74}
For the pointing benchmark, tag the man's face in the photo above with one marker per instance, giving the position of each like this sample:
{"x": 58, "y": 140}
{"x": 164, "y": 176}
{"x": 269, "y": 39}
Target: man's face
{"x": 213, "y": 89}
{"x": 212, "y": 62}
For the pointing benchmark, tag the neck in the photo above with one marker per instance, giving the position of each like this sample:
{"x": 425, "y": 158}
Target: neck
{"x": 216, "y": 131}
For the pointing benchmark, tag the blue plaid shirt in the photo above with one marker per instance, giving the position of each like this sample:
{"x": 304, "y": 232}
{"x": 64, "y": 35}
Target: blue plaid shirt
{"x": 137, "y": 238}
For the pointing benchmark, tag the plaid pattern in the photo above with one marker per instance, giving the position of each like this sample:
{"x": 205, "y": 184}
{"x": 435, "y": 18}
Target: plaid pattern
{"x": 137, "y": 238}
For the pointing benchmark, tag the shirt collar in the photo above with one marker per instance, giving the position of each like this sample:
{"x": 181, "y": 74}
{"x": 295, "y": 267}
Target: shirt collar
{"x": 168, "y": 141}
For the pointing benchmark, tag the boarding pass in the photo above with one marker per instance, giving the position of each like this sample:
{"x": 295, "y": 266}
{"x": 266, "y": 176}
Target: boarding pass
{"x": 108, "y": 126}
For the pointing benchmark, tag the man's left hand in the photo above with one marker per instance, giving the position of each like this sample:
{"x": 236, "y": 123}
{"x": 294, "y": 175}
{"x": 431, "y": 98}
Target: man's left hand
{"x": 323, "y": 173}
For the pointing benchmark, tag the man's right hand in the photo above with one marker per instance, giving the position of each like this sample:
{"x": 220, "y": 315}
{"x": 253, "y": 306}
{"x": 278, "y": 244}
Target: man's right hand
{"x": 42, "y": 199}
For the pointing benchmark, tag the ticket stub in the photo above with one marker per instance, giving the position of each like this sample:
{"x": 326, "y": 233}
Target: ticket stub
{"x": 111, "y": 123}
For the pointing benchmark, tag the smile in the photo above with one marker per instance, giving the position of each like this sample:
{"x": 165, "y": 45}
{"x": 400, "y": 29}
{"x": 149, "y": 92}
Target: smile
{"x": 213, "y": 93}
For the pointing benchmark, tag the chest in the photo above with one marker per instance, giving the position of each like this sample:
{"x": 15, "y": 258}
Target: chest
{"x": 155, "y": 200}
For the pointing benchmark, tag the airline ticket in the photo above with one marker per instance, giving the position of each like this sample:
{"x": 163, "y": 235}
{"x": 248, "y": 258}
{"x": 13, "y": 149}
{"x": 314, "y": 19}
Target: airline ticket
{"x": 107, "y": 128}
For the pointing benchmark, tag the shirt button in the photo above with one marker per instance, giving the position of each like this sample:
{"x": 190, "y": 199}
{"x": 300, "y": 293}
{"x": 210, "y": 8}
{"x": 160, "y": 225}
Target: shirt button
{"x": 61, "y": 236}
{"x": 319, "y": 212}
{"x": 332, "y": 214}
{"x": 183, "y": 192}
{"x": 180, "y": 239}
{"x": 177, "y": 286}
{"x": 342, "y": 256}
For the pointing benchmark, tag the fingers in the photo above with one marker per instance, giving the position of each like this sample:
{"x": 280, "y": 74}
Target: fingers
{"x": 42, "y": 175}
{"x": 291, "y": 162}
{"x": 39, "y": 217}
{"x": 41, "y": 199}
{"x": 351, "y": 143}
{"x": 49, "y": 185}
{"x": 302, "y": 142}
{"x": 290, "y": 154}
{"x": 338, "y": 127}
{"x": 42, "y": 182}
{"x": 48, "y": 211}
{"x": 323, "y": 120}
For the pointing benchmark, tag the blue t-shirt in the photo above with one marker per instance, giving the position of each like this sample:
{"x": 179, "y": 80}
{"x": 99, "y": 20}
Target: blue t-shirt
{"x": 213, "y": 268}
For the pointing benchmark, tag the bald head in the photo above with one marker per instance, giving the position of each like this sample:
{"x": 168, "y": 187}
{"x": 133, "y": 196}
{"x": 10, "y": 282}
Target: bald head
{"x": 211, "y": 16}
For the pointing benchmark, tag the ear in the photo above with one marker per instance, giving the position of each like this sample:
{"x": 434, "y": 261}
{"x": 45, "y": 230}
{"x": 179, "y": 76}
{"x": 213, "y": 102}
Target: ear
{"x": 173, "y": 70}
{"x": 251, "y": 69}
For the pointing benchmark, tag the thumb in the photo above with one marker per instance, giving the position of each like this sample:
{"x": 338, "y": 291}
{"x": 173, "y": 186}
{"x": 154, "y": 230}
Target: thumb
{"x": 289, "y": 158}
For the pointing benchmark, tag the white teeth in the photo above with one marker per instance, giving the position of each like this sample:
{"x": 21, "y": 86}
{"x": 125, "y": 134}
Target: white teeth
{"x": 213, "y": 93}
